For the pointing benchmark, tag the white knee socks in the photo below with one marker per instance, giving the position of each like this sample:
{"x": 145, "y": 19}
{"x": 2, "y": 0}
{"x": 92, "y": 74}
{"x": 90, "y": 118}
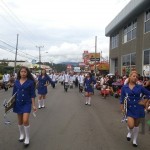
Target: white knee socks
{"x": 43, "y": 103}
{"x": 135, "y": 135}
{"x": 129, "y": 132}
{"x": 26, "y": 129}
{"x": 86, "y": 100}
{"x": 39, "y": 103}
{"x": 21, "y": 131}
{"x": 89, "y": 100}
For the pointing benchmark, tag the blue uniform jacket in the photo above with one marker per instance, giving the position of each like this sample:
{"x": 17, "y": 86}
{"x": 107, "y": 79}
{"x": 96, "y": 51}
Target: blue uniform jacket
{"x": 25, "y": 93}
{"x": 88, "y": 84}
{"x": 42, "y": 89}
{"x": 134, "y": 96}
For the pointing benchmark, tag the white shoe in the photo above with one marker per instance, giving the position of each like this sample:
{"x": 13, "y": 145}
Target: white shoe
{"x": 129, "y": 134}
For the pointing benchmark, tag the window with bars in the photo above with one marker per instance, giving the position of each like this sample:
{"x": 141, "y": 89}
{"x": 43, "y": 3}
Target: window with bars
{"x": 114, "y": 41}
{"x": 129, "y": 31}
{"x": 128, "y": 63}
{"x": 146, "y": 57}
{"x": 147, "y": 21}
{"x": 129, "y": 59}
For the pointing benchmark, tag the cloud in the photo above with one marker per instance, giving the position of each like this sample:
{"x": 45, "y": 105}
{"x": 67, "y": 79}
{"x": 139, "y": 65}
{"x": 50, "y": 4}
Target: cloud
{"x": 65, "y": 27}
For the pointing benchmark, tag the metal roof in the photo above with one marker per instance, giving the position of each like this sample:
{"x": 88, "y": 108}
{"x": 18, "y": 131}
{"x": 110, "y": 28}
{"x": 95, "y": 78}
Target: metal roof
{"x": 131, "y": 10}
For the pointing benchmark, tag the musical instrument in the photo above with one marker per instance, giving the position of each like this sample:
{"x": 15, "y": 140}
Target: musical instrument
{"x": 10, "y": 103}
{"x": 8, "y": 106}
{"x": 124, "y": 119}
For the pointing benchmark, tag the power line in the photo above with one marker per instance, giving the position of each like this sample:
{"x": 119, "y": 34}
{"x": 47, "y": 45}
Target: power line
{"x": 12, "y": 51}
{"x": 7, "y": 44}
{"x": 30, "y": 56}
{"x": 17, "y": 21}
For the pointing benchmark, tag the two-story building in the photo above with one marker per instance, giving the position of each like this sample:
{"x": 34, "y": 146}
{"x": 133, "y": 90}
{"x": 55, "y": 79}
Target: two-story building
{"x": 129, "y": 34}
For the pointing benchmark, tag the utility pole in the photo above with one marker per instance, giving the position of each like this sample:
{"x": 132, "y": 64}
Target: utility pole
{"x": 16, "y": 55}
{"x": 95, "y": 51}
{"x": 39, "y": 47}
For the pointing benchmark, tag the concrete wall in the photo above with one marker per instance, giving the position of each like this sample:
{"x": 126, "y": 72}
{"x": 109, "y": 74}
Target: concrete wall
{"x": 138, "y": 45}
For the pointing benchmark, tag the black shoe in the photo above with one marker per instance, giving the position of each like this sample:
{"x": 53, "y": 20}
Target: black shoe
{"x": 135, "y": 145}
{"x": 26, "y": 145}
{"x": 86, "y": 104}
{"x": 128, "y": 138}
{"x": 21, "y": 140}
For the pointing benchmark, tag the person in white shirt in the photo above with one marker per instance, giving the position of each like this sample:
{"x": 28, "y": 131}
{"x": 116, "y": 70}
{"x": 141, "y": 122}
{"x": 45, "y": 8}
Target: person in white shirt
{"x": 53, "y": 78}
{"x": 15, "y": 75}
{"x": 71, "y": 80}
{"x": 76, "y": 80}
{"x": 60, "y": 78}
{"x": 34, "y": 76}
{"x": 65, "y": 78}
{"x": 102, "y": 81}
{"x": 81, "y": 81}
{"x": 6, "y": 78}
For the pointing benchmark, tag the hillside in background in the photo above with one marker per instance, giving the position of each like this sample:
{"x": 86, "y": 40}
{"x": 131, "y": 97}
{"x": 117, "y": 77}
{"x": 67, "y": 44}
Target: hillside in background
{"x": 70, "y": 63}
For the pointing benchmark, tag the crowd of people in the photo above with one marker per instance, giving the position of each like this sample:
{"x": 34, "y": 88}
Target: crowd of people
{"x": 7, "y": 81}
{"x": 133, "y": 88}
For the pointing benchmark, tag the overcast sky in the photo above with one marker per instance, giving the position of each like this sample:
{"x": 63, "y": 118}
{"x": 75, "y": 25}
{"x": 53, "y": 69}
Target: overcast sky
{"x": 64, "y": 27}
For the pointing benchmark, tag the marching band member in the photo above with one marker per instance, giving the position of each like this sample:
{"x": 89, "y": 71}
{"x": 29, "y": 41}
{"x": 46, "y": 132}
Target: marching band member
{"x": 71, "y": 80}
{"x": 81, "y": 80}
{"x": 89, "y": 84}
{"x": 53, "y": 79}
{"x": 43, "y": 81}
{"x": 66, "y": 78}
{"x": 6, "y": 78}
{"x": 25, "y": 100}
{"x": 135, "y": 110}
{"x": 76, "y": 80}
{"x": 61, "y": 78}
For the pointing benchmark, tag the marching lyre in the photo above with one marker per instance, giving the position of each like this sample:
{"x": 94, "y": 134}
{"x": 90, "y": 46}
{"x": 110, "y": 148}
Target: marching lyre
{"x": 124, "y": 119}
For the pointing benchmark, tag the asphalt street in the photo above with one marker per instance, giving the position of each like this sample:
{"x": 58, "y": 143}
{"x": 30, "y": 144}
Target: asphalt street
{"x": 68, "y": 124}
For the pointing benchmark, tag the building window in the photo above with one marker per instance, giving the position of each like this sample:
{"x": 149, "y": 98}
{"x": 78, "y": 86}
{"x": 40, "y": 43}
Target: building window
{"x": 114, "y": 41}
{"x": 146, "y": 63}
{"x": 128, "y": 63}
{"x": 129, "y": 32}
{"x": 146, "y": 57}
{"x": 116, "y": 66}
{"x": 147, "y": 21}
{"x": 133, "y": 59}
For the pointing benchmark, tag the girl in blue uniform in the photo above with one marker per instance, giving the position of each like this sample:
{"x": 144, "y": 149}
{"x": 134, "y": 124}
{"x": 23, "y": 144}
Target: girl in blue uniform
{"x": 25, "y": 100}
{"x": 43, "y": 82}
{"x": 135, "y": 110}
{"x": 89, "y": 88}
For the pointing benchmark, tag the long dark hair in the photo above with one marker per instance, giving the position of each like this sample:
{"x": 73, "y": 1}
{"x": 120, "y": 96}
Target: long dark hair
{"x": 29, "y": 75}
{"x": 45, "y": 74}
{"x": 90, "y": 75}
